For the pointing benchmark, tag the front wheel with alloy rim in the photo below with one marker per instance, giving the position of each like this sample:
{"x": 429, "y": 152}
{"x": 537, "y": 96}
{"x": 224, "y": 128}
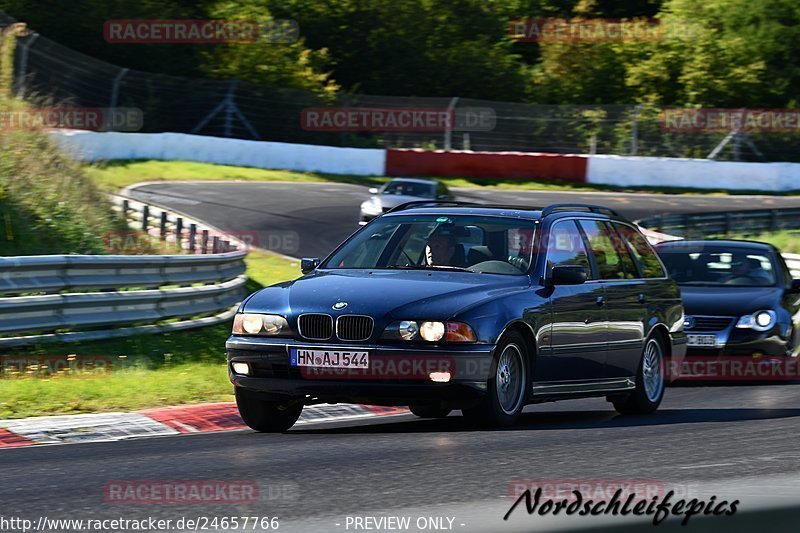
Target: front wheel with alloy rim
{"x": 507, "y": 389}
{"x": 264, "y": 415}
{"x": 649, "y": 391}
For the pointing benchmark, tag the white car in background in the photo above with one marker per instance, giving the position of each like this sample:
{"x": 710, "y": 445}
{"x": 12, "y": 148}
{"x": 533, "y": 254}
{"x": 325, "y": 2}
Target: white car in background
{"x": 399, "y": 191}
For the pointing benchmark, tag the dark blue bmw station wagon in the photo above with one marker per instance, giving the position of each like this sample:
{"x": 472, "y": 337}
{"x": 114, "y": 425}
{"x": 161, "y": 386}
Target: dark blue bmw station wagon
{"x": 445, "y": 305}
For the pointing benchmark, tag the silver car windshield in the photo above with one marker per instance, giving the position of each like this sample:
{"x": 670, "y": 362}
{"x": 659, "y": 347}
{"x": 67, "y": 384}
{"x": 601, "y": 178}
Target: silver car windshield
{"x": 459, "y": 243}
{"x": 409, "y": 188}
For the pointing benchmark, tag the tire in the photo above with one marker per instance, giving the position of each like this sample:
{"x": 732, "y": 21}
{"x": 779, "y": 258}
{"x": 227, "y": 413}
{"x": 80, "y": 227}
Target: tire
{"x": 650, "y": 382}
{"x": 429, "y": 411}
{"x": 507, "y": 389}
{"x": 266, "y": 416}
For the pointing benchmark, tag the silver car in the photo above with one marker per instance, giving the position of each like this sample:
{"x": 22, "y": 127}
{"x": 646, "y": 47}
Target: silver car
{"x": 399, "y": 191}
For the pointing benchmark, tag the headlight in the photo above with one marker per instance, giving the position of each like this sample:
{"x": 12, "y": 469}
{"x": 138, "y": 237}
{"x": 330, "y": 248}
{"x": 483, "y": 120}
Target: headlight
{"x": 431, "y": 331}
{"x": 408, "y": 329}
{"x": 257, "y": 324}
{"x": 758, "y": 321}
{"x": 372, "y": 207}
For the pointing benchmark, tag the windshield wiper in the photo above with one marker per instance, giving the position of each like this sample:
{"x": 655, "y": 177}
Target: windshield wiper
{"x": 432, "y": 267}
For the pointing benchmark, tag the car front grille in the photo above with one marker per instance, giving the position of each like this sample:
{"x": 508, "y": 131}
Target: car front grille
{"x": 710, "y": 323}
{"x": 315, "y": 326}
{"x": 354, "y": 327}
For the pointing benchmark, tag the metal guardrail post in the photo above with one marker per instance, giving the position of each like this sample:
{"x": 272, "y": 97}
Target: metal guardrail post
{"x": 204, "y": 242}
{"x": 162, "y": 226}
{"x": 145, "y": 217}
{"x": 178, "y": 231}
{"x": 774, "y": 220}
{"x": 192, "y": 237}
{"x": 215, "y": 245}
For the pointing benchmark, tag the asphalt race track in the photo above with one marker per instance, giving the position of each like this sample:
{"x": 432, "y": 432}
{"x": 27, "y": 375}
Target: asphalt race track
{"x": 732, "y": 442}
{"x": 310, "y": 219}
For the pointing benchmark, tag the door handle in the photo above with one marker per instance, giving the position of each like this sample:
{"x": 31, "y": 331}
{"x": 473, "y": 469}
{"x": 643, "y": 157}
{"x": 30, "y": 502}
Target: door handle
{"x": 601, "y": 301}
{"x": 642, "y": 299}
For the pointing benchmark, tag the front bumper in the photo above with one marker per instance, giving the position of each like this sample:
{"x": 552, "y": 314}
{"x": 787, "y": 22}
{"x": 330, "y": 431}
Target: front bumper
{"x": 398, "y": 375}
{"x": 736, "y": 342}
{"x": 741, "y": 355}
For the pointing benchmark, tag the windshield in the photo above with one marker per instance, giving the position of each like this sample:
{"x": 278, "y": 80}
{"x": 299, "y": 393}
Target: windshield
{"x": 409, "y": 188}
{"x": 715, "y": 266}
{"x": 468, "y": 243}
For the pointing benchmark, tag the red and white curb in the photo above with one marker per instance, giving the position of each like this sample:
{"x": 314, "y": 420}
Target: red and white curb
{"x": 200, "y": 418}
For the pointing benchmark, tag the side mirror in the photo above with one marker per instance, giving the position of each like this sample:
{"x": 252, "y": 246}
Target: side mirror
{"x": 568, "y": 275}
{"x": 307, "y": 264}
{"x": 373, "y": 190}
{"x": 795, "y": 286}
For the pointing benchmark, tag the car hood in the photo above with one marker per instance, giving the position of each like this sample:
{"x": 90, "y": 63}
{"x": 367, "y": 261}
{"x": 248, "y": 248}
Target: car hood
{"x": 728, "y": 301}
{"x": 393, "y": 294}
{"x": 393, "y": 200}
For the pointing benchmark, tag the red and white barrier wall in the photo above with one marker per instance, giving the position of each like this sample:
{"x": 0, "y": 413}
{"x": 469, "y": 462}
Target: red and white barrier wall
{"x": 107, "y": 146}
{"x": 597, "y": 169}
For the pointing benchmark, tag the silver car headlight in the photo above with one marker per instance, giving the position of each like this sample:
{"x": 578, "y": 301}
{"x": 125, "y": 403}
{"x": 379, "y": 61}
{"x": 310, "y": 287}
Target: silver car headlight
{"x": 372, "y": 207}
{"x": 758, "y": 321}
{"x": 258, "y": 324}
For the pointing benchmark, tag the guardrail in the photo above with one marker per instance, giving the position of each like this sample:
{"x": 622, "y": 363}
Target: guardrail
{"x": 138, "y": 291}
{"x": 723, "y": 224}
{"x": 793, "y": 262}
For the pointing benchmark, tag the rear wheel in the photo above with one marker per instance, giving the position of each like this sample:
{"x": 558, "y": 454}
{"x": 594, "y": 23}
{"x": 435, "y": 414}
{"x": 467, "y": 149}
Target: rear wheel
{"x": 507, "y": 389}
{"x": 649, "y": 391}
{"x": 266, "y": 416}
{"x": 429, "y": 411}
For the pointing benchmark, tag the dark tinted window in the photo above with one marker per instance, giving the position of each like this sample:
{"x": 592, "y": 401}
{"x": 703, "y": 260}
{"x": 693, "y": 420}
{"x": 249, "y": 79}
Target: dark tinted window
{"x": 566, "y": 246}
{"x": 718, "y": 265}
{"x": 643, "y": 253}
{"x": 612, "y": 259}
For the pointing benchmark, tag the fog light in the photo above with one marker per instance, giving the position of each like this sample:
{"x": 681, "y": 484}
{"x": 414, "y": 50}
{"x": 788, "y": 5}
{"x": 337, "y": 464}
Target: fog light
{"x": 440, "y": 377}
{"x": 241, "y": 368}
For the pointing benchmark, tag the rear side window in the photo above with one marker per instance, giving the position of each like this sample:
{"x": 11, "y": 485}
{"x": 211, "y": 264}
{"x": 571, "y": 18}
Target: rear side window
{"x": 566, "y": 246}
{"x": 643, "y": 253}
{"x": 612, "y": 259}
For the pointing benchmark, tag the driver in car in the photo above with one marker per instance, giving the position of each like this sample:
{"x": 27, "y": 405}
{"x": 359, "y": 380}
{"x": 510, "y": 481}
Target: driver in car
{"x": 440, "y": 249}
{"x": 747, "y": 271}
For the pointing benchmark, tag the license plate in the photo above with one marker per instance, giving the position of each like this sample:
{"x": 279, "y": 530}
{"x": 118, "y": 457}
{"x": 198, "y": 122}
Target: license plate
{"x": 702, "y": 340}
{"x": 328, "y": 358}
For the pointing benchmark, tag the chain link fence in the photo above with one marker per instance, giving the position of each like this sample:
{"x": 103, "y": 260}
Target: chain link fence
{"x": 48, "y": 71}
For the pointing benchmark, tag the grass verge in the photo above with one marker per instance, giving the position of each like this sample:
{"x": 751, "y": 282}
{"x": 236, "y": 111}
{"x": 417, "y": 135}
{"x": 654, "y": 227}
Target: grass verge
{"x": 139, "y": 372}
{"x": 787, "y": 242}
{"x": 118, "y": 174}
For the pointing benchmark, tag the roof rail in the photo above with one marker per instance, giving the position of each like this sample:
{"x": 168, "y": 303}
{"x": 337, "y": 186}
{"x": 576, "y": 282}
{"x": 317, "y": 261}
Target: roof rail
{"x": 420, "y": 203}
{"x": 578, "y": 207}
